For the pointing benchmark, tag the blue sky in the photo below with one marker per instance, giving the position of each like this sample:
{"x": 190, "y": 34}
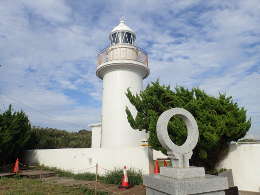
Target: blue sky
{"x": 49, "y": 49}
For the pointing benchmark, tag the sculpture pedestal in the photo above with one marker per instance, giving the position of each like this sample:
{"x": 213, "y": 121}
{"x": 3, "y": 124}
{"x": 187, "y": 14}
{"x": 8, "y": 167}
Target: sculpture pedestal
{"x": 182, "y": 173}
{"x": 207, "y": 185}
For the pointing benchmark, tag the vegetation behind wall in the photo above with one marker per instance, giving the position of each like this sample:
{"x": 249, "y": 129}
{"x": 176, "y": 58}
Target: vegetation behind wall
{"x": 50, "y": 138}
{"x": 17, "y": 135}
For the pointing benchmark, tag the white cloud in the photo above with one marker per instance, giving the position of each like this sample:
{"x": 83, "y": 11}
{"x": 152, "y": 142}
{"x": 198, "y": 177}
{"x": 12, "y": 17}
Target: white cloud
{"x": 52, "y": 109}
{"x": 50, "y": 10}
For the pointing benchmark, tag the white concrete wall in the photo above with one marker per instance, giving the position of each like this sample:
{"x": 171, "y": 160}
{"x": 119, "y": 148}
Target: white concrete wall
{"x": 244, "y": 160}
{"x": 158, "y": 155}
{"x": 116, "y": 131}
{"x": 95, "y": 135}
{"x": 80, "y": 160}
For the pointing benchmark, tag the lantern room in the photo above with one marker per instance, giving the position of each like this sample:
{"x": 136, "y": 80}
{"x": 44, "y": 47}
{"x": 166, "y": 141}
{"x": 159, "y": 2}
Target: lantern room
{"x": 122, "y": 34}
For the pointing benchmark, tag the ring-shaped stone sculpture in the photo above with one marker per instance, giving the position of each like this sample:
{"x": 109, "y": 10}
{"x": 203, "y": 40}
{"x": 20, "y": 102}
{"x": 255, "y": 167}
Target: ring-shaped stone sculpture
{"x": 180, "y": 153}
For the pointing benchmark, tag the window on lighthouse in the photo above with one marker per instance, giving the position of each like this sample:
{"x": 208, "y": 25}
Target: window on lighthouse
{"x": 115, "y": 39}
{"x": 122, "y": 37}
{"x": 127, "y": 38}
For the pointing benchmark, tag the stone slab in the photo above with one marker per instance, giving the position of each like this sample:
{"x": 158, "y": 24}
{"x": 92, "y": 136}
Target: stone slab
{"x": 157, "y": 184}
{"x": 6, "y": 174}
{"x": 182, "y": 173}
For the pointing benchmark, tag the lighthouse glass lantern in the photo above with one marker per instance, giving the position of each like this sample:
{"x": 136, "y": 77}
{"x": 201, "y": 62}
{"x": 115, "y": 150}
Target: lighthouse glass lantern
{"x": 122, "y": 34}
{"x": 122, "y": 37}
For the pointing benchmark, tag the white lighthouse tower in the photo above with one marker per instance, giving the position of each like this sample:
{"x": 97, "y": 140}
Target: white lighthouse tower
{"x": 115, "y": 144}
{"x": 121, "y": 66}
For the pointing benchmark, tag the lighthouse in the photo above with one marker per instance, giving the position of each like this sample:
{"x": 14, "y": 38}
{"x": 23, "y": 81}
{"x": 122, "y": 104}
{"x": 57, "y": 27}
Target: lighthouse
{"x": 114, "y": 144}
{"x": 121, "y": 66}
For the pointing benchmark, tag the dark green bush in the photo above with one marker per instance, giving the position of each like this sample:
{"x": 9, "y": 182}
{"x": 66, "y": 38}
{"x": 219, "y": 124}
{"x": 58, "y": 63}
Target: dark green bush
{"x": 50, "y": 138}
{"x": 220, "y": 120}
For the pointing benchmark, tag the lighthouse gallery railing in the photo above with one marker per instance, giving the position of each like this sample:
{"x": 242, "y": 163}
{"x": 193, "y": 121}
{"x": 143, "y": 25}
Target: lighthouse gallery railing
{"x": 122, "y": 52}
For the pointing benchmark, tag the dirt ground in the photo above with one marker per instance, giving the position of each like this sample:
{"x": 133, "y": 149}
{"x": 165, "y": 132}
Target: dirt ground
{"x": 113, "y": 189}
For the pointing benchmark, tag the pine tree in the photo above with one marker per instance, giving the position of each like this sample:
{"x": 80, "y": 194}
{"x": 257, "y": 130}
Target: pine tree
{"x": 219, "y": 119}
{"x": 15, "y": 131}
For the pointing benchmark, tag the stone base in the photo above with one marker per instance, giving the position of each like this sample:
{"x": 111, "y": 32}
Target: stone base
{"x": 208, "y": 185}
{"x": 182, "y": 173}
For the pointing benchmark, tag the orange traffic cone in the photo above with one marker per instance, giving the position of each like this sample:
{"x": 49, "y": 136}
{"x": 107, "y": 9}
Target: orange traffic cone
{"x": 165, "y": 163}
{"x": 156, "y": 168}
{"x": 124, "y": 183}
{"x": 16, "y": 166}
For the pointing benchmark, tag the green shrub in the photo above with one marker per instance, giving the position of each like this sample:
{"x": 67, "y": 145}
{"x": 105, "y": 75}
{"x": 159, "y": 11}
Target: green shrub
{"x": 135, "y": 177}
{"x": 220, "y": 120}
{"x": 50, "y": 138}
{"x": 115, "y": 177}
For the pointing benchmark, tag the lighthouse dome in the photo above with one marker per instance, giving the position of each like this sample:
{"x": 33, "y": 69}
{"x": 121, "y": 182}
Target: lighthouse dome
{"x": 122, "y": 27}
{"x": 122, "y": 34}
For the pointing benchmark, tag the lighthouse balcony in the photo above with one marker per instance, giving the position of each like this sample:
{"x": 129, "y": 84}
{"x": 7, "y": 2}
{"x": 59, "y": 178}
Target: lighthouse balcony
{"x": 122, "y": 55}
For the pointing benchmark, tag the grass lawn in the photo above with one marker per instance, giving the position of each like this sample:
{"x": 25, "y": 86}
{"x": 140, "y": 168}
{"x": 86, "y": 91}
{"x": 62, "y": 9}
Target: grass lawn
{"x": 24, "y": 186}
